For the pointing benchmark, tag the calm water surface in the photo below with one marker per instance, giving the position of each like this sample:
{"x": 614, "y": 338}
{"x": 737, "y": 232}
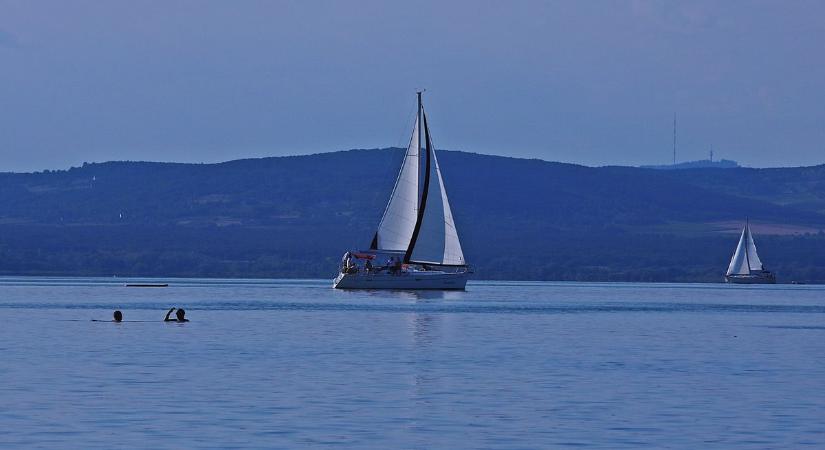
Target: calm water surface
{"x": 282, "y": 364}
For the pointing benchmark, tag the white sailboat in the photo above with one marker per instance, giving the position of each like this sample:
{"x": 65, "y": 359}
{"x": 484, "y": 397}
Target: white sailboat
{"x": 745, "y": 266}
{"x": 416, "y": 245}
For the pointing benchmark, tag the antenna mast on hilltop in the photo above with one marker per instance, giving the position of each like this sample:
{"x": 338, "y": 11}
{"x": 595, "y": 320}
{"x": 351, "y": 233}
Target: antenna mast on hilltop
{"x": 674, "y": 139}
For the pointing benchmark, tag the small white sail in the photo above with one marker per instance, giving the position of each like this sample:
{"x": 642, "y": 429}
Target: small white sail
{"x": 753, "y": 259}
{"x": 397, "y": 224}
{"x": 739, "y": 262}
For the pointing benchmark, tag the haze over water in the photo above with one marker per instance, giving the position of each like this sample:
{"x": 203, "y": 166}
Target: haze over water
{"x": 268, "y": 364}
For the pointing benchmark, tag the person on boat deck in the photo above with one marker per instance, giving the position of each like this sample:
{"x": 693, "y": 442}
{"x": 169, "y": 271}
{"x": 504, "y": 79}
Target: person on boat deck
{"x": 117, "y": 316}
{"x": 348, "y": 265}
{"x": 351, "y": 266}
{"x": 394, "y": 265}
{"x": 180, "y": 314}
{"x": 368, "y": 266}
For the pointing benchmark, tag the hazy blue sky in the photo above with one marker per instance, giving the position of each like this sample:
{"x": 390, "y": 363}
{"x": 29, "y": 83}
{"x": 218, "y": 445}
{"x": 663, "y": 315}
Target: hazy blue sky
{"x": 592, "y": 82}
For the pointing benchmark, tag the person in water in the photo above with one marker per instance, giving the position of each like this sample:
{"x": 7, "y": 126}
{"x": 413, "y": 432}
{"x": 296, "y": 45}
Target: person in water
{"x": 180, "y": 314}
{"x": 118, "y": 316}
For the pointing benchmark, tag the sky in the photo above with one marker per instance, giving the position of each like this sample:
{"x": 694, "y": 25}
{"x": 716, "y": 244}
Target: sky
{"x": 588, "y": 82}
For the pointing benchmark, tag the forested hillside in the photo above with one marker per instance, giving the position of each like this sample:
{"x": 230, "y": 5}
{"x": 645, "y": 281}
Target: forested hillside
{"x": 518, "y": 218}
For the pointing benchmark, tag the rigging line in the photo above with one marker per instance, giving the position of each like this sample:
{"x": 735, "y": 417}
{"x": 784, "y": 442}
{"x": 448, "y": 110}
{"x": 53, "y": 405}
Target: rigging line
{"x": 387, "y": 173}
{"x": 405, "y": 127}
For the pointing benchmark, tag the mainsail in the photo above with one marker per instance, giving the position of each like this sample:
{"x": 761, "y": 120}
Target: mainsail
{"x": 745, "y": 260}
{"x": 418, "y": 219}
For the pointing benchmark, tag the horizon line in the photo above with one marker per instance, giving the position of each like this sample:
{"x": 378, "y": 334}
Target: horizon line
{"x": 652, "y": 166}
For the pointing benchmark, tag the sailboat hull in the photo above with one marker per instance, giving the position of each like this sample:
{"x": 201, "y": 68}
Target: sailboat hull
{"x": 762, "y": 278}
{"x": 432, "y": 280}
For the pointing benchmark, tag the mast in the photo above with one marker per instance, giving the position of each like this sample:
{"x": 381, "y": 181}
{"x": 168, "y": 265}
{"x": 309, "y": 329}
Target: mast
{"x": 418, "y": 152}
{"x": 425, "y": 190}
{"x": 674, "y": 139}
{"x": 747, "y": 237}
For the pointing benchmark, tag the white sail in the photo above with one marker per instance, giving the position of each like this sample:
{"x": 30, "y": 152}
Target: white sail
{"x": 437, "y": 240}
{"x": 453, "y": 255}
{"x": 739, "y": 262}
{"x": 429, "y": 245}
{"x": 753, "y": 259}
{"x": 397, "y": 224}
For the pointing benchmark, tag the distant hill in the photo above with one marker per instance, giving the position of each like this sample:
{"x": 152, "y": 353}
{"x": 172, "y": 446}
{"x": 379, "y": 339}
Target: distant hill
{"x": 700, "y": 164}
{"x": 518, "y": 218}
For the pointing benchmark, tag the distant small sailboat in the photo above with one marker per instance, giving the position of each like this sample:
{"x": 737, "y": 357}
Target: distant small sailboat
{"x": 416, "y": 236}
{"x": 745, "y": 266}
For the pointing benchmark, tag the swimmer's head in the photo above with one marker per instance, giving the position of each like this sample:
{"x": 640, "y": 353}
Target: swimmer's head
{"x": 180, "y": 313}
{"x": 118, "y": 316}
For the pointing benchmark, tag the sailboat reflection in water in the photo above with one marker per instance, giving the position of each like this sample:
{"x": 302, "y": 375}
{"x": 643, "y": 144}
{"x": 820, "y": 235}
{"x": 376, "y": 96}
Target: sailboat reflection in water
{"x": 416, "y": 245}
{"x": 745, "y": 266}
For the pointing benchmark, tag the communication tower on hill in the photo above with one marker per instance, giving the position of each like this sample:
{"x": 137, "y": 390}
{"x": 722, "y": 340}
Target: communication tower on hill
{"x": 674, "y": 139}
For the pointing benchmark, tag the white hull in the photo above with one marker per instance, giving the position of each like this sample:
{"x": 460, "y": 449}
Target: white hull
{"x": 405, "y": 280}
{"x": 765, "y": 278}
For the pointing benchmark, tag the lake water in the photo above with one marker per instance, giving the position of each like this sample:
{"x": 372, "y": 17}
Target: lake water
{"x": 284, "y": 364}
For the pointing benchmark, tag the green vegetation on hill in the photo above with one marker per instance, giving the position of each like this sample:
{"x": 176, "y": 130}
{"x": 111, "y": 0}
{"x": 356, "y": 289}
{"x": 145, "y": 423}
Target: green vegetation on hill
{"x": 294, "y": 216}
